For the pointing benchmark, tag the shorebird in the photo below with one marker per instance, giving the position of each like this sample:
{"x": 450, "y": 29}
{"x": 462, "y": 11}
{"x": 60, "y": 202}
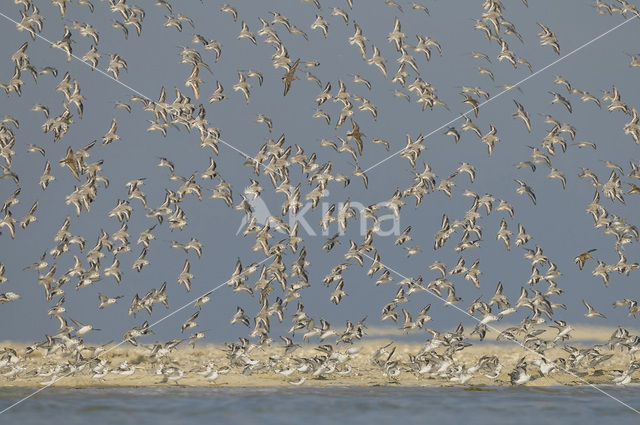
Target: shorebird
{"x": 555, "y": 174}
{"x": 318, "y": 182}
{"x": 413, "y": 250}
{"x": 8, "y": 297}
{"x": 266, "y": 120}
{"x": 560, "y": 100}
{"x": 378, "y": 60}
{"x": 226, "y": 8}
{"x": 29, "y": 217}
{"x": 70, "y": 162}
{"x": 202, "y": 300}
{"x": 111, "y": 135}
{"x": 591, "y": 313}
{"x": 190, "y": 323}
{"x": 359, "y": 172}
{"x": 487, "y": 72}
{"x": 243, "y": 86}
{"x": 240, "y": 317}
{"x": 288, "y": 78}
{"x": 419, "y": 6}
{"x": 3, "y": 279}
{"x": 451, "y": 131}
{"x": 548, "y": 38}
{"x": 218, "y": 94}
{"x": 82, "y": 328}
{"x": 107, "y": 301}
{"x": 358, "y": 38}
{"x": 490, "y": 138}
{"x": 632, "y": 127}
{"x": 396, "y": 35}
{"x": 582, "y": 258}
{"x": 185, "y": 276}
{"x": 298, "y": 382}
{"x": 525, "y": 189}
{"x": 245, "y": 33}
{"x": 519, "y": 375}
{"x": 171, "y": 374}
{"x": 321, "y": 24}
{"x": 522, "y": 114}
{"x": 336, "y": 11}
{"x": 633, "y": 305}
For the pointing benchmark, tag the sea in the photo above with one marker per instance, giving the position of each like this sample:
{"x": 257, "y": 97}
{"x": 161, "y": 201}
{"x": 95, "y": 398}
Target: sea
{"x": 328, "y": 405}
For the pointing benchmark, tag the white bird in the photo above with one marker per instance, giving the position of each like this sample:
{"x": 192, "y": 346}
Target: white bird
{"x": 82, "y": 328}
{"x": 107, "y": 301}
{"x": 591, "y": 312}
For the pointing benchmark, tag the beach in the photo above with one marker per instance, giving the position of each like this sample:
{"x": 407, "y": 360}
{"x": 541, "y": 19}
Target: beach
{"x": 126, "y": 365}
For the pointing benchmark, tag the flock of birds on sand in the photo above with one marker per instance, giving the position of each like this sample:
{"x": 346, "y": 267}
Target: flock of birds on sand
{"x": 278, "y": 287}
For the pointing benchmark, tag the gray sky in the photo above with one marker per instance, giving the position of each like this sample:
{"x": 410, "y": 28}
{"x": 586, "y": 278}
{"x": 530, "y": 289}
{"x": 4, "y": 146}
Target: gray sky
{"x": 558, "y": 223}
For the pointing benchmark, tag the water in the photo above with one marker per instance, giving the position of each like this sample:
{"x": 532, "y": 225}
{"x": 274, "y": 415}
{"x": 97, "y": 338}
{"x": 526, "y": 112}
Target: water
{"x": 305, "y": 405}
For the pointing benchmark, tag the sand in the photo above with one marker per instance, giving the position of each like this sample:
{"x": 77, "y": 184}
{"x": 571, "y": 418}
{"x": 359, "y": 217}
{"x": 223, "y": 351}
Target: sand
{"x": 363, "y": 371}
